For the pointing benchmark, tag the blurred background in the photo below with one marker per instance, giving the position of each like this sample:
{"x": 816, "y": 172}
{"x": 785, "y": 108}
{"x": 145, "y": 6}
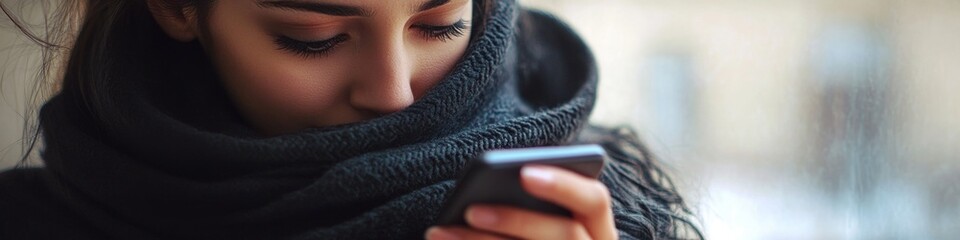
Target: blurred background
{"x": 790, "y": 119}
{"x": 779, "y": 119}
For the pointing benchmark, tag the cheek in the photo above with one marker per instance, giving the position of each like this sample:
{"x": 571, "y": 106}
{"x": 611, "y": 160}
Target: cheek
{"x": 281, "y": 88}
{"x": 272, "y": 88}
{"x": 276, "y": 91}
{"x": 435, "y": 61}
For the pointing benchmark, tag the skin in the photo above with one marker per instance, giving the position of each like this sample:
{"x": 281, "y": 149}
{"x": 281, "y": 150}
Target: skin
{"x": 384, "y": 63}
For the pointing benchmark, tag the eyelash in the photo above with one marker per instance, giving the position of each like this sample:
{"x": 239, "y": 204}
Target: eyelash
{"x": 322, "y": 47}
{"x": 309, "y": 49}
{"x": 443, "y": 33}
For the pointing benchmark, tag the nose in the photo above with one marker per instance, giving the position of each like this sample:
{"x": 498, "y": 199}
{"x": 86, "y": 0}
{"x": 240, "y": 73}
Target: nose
{"x": 384, "y": 79}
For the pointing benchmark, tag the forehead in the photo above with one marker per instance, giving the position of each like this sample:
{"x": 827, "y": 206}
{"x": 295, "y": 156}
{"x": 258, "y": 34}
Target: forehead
{"x": 355, "y": 7}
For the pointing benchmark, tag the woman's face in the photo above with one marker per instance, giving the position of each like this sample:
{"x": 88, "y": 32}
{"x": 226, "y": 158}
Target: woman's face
{"x": 295, "y": 64}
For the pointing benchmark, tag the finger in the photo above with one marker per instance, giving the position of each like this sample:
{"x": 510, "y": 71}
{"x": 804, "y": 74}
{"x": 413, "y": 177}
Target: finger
{"x": 524, "y": 224}
{"x": 459, "y": 233}
{"x": 587, "y": 198}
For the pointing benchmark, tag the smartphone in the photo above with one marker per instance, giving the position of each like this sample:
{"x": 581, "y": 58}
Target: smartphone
{"x": 494, "y": 178}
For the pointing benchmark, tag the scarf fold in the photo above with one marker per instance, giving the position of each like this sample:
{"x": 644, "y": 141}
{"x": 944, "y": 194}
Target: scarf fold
{"x": 181, "y": 164}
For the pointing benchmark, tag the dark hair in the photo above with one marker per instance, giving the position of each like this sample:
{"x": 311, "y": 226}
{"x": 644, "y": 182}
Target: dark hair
{"x": 81, "y": 40}
{"x": 665, "y": 215}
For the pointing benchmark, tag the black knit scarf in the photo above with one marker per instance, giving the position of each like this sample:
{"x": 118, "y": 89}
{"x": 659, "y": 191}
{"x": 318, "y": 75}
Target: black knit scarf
{"x": 179, "y": 163}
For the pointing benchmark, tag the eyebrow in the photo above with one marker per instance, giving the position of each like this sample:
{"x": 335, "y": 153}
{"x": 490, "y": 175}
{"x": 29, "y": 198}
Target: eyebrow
{"x": 333, "y": 9}
{"x": 323, "y": 8}
{"x": 432, "y": 4}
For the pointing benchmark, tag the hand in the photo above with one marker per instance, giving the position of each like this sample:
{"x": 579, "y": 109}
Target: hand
{"x": 586, "y": 198}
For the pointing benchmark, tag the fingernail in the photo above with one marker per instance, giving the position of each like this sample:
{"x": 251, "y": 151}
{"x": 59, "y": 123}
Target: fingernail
{"x": 537, "y": 176}
{"x": 436, "y": 233}
{"x": 482, "y": 216}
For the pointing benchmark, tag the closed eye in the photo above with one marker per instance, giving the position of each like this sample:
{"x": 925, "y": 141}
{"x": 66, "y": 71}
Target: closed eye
{"x": 443, "y": 33}
{"x": 310, "y": 48}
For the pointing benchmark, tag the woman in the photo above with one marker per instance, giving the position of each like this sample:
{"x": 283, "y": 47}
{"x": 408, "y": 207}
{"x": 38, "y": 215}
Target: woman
{"x": 321, "y": 119}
